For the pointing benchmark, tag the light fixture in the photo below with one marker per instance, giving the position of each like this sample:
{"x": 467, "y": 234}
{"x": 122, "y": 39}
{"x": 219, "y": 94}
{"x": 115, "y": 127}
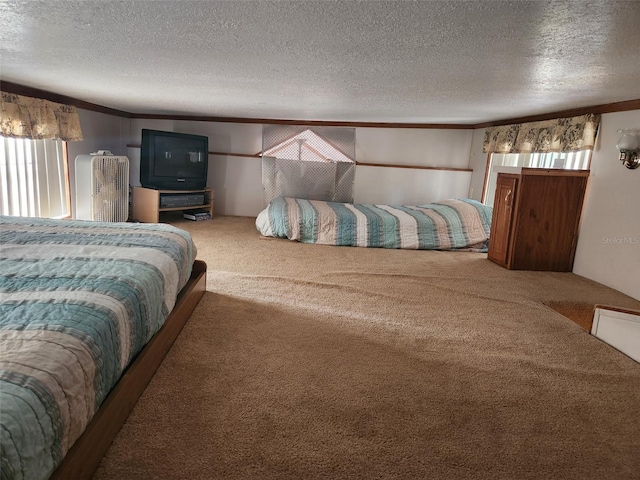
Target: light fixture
{"x": 629, "y": 146}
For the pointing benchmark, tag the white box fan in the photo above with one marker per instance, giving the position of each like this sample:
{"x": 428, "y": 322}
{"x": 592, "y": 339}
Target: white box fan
{"x": 102, "y": 187}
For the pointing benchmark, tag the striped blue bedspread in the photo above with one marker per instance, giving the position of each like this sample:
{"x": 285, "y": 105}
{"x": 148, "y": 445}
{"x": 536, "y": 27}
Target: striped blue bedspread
{"x": 78, "y": 301}
{"x": 456, "y": 224}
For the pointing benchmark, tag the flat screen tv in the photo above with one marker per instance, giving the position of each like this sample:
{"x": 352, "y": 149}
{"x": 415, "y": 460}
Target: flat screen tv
{"x": 173, "y": 161}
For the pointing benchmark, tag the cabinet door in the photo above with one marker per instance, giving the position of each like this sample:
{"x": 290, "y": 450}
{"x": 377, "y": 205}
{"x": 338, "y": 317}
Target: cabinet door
{"x": 547, "y": 220}
{"x": 501, "y": 222}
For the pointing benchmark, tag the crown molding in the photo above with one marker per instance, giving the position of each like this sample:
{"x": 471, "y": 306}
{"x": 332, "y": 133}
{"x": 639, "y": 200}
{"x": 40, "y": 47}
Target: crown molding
{"x": 574, "y": 112}
{"x": 54, "y": 97}
{"x": 10, "y": 87}
{"x": 311, "y": 123}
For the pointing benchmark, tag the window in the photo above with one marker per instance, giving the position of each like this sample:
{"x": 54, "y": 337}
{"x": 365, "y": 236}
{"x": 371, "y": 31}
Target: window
{"x": 513, "y": 162}
{"x": 34, "y": 178}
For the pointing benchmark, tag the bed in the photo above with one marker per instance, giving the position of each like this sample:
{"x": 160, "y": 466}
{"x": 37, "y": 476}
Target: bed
{"x": 88, "y": 311}
{"x": 454, "y": 224}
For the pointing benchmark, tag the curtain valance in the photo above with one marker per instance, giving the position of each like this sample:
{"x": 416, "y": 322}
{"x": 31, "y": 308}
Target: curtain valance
{"x": 35, "y": 118}
{"x": 559, "y": 135}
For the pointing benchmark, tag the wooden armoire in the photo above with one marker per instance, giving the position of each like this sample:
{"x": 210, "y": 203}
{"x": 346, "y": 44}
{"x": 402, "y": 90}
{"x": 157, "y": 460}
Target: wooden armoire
{"x": 536, "y": 216}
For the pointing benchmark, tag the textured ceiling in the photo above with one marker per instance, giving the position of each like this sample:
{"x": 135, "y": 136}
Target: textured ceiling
{"x": 370, "y": 61}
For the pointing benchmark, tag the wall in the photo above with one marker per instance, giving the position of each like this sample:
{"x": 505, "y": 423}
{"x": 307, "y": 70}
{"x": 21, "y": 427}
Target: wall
{"x": 237, "y": 181}
{"x": 421, "y": 147}
{"x": 609, "y": 243}
{"x": 406, "y": 186}
{"x": 477, "y": 162}
{"x": 608, "y": 249}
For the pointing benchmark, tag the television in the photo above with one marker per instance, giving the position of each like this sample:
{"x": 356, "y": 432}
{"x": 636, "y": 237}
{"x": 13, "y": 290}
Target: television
{"x": 173, "y": 161}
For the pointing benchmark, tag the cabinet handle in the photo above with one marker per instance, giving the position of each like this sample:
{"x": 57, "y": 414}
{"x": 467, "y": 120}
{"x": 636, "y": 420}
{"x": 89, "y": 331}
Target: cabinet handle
{"x": 507, "y": 200}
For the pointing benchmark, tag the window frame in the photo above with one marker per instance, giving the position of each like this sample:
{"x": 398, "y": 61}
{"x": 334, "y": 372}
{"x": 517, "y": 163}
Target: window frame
{"x": 549, "y": 164}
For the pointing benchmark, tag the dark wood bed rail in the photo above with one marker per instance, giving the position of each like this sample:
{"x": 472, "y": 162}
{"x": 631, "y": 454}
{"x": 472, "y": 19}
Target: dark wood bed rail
{"x": 86, "y": 453}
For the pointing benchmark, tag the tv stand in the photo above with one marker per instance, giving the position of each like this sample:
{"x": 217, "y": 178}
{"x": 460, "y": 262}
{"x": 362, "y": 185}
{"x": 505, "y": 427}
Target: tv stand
{"x": 146, "y": 203}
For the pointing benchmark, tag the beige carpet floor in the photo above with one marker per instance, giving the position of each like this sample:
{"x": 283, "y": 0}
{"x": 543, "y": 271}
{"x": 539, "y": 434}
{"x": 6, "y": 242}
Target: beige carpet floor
{"x": 305, "y": 361}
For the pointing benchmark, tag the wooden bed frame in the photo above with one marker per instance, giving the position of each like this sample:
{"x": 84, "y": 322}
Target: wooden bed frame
{"x": 86, "y": 453}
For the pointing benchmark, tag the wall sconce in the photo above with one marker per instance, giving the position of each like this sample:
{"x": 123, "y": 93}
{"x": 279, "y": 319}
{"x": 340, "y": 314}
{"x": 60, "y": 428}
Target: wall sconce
{"x": 629, "y": 146}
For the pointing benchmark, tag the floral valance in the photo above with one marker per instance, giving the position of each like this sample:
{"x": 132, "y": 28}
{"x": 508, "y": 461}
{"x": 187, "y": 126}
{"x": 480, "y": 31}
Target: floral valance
{"x": 27, "y": 117}
{"x": 559, "y": 135}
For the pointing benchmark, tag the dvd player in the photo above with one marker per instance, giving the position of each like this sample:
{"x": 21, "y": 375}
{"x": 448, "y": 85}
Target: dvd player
{"x": 181, "y": 200}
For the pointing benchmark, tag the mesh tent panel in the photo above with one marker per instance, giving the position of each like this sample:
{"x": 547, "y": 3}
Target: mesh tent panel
{"x": 316, "y": 163}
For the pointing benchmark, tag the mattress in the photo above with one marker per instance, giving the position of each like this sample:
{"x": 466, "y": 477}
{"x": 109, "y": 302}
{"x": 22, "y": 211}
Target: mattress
{"x": 79, "y": 300}
{"x": 453, "y": 224}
